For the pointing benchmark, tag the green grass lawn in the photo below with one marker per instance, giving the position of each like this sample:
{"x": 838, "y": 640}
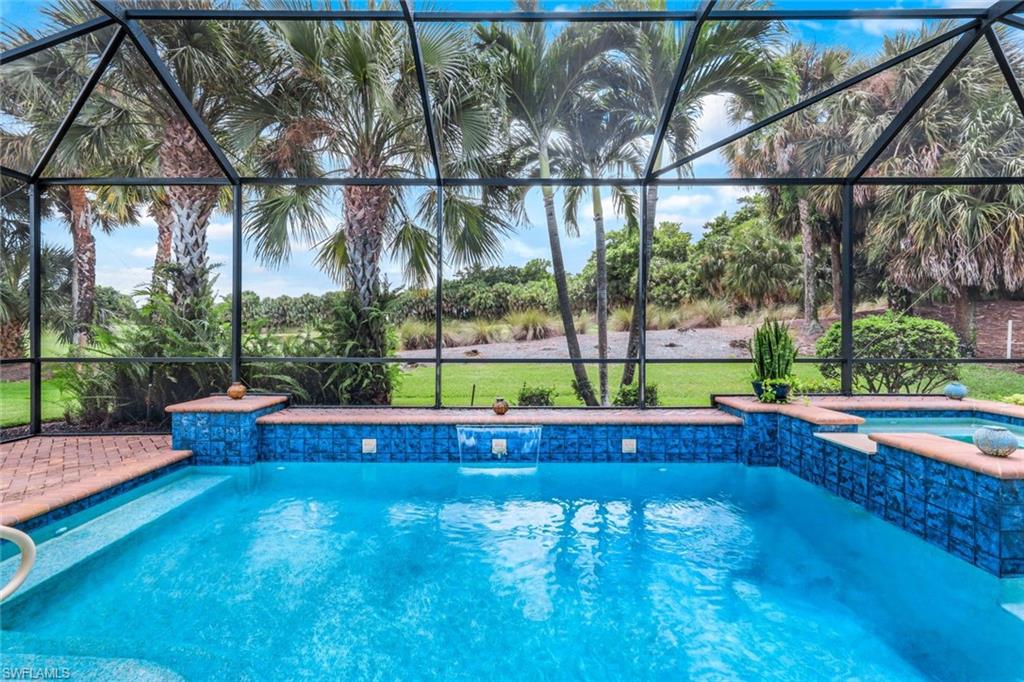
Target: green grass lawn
{"x": 14, "y": 403}
{"x": 678, "y": 385}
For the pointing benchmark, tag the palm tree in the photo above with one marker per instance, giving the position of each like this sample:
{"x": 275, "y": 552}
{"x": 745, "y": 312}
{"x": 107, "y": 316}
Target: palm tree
{"x": 343, "y": 99}
{"x": 731, "y": 58}
{"x": 790, "y": 148}
{"x": 958, "y": 241}
{"x": 540, "y": 76}
{"x": 600, "y": 136}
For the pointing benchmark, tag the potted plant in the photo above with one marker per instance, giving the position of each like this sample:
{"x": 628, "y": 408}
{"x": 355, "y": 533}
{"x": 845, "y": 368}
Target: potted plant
{"x": 773, "y": 351}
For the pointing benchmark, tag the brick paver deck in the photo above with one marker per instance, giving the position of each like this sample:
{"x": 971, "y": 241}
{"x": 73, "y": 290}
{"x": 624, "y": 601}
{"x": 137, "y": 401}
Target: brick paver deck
{"x": 44, "y": 473}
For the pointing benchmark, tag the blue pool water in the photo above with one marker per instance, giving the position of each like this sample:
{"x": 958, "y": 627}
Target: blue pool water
{"x": 596, "y": 572}
{"x": 961, "y": 429}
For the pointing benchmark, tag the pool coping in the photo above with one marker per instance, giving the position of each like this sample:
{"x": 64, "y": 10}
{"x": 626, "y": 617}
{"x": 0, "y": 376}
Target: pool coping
{"x": 809, "y": 412}
{"x": 221, "y": 404}
{"x": 955, "y": 452}
{"x": 52, "y": 503}
{"x": 486, "y": 417}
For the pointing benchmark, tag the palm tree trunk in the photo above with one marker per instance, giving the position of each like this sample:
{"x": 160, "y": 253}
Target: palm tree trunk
{"x": 811, "y": 325}
{"x": 12, "y": 337}
{"x": 633, "y": 345}
{"x": 366, "y": 215}
{"x": 83, "y": 274}
{"x": 963, "y": 320}
{"x": 602, "y": 292}
{"x": 586, "y": 391}
{"x": 164, "y": 234}
{"x": 366, "y": 211}
{"x": 835, "y": 257}
{"x": 182, "y": 154}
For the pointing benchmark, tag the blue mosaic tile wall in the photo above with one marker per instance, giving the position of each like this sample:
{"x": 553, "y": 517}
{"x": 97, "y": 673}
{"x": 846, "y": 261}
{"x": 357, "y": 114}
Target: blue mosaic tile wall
{"x": 973, "y": 516}
{"x": 976, "y": 517}
{"x": 219, "y": 437}
{"x": 559, "y": 443}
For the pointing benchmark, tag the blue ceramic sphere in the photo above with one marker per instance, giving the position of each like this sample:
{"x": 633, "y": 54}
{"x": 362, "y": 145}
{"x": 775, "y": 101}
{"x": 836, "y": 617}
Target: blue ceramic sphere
{"x": 955, "y": 391}
{"x": 995, "y": 441}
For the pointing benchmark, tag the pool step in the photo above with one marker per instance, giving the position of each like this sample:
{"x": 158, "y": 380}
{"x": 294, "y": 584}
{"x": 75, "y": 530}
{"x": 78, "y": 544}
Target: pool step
{"x": 62, "y": 552}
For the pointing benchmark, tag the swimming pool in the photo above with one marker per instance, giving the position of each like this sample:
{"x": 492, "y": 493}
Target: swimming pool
{"x": 957, "y": 428}
{"x": 599, "y": 571}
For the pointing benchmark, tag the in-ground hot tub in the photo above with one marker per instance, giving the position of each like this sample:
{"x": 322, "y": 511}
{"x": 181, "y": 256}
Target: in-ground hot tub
{"x": 957, "y": 428}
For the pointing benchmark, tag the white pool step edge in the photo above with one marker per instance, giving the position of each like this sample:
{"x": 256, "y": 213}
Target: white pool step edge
{"x": 62, "y": 552}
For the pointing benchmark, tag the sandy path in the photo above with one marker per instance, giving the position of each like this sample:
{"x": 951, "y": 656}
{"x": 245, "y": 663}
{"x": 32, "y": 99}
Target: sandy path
{"x": 669, "y": 343}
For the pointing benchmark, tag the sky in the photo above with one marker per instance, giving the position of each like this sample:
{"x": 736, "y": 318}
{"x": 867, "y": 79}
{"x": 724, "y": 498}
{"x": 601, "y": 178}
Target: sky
{"x": 125, "y": 256}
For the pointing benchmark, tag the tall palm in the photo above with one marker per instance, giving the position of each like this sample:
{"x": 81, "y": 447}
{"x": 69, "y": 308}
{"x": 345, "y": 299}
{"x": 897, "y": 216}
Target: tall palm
{"x": 601, "y": 136}
{"x": 789, "y": 148}
{"x": 343, "y": 99}
{"x": 540, "y": 75}
{"x": 733, "y": 58}
{"x": 961, "y": 241}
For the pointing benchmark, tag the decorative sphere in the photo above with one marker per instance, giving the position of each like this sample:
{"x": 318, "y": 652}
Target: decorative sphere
{"x": 995, "y": 441}
{"x": 237, "y": 391}
{"x": 500, "y": 406}
{"x": 955, "y": 391}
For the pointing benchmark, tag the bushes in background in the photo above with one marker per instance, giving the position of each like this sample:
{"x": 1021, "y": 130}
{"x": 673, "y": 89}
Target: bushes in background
{"x": 894, "y": 335}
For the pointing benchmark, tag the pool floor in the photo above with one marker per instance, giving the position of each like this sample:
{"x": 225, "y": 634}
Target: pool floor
{"x": 597, "y": 572}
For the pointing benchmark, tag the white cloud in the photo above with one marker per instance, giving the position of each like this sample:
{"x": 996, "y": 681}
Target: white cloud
{"x": 124, "y": 279}
{"x": 220, "y": 230}
{"x": 884, "y": 27}
{"x": 520, "y": 249}
{"x": 144, "y": 251}
{"x": 714, "y": 122}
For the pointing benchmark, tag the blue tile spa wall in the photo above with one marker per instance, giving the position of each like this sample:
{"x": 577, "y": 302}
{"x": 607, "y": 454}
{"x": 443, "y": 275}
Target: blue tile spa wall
{"x": 219, "y": 437}
{"x": 440, "y": 443}
{"x": 977, "y": 517}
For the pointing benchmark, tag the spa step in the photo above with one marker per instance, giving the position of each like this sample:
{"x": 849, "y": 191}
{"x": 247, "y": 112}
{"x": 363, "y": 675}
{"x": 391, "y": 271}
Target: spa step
{"x": 64, "y": 551}
{"x": 854, "y": 441}
{"x": 398, "y": 416}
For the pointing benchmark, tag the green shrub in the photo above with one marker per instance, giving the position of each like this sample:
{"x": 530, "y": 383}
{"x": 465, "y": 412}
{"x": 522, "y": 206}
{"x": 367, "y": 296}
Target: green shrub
{"x": 773, "y": 351}
{"x": 629, "y": 396}
{"x": 669, "y": 283}
{"x": 893, "y": 335}
{"x": 531, "y": 325}
{"x": 810, "y": 386}
{"x": 536, "y": 396}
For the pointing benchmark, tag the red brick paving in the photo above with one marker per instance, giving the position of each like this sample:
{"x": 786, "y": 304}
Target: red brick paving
{"x": 44, "y": 473}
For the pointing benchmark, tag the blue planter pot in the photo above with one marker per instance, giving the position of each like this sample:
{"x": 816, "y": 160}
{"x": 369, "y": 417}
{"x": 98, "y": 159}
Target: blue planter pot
{"x": 781, "y": 391}
{"x": 995, "y": 441}
{"x": 955, "y": 391}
